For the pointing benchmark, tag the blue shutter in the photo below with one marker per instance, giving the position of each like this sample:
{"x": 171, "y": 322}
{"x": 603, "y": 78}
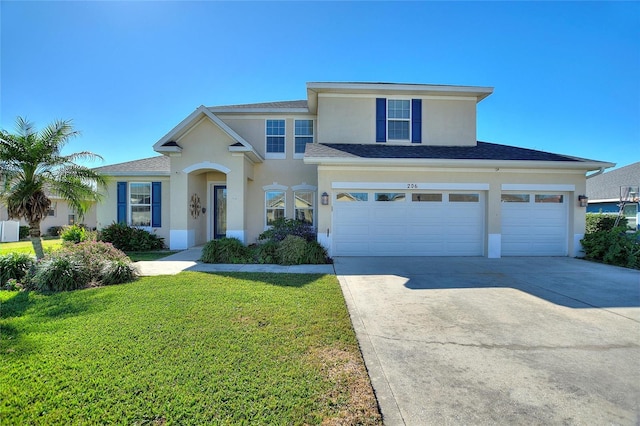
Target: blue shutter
{"x": 416, "y": 120}
{"x": 122, "y": 202}
{"x": 156, "y": 204}
{"x": 381, "y": 119}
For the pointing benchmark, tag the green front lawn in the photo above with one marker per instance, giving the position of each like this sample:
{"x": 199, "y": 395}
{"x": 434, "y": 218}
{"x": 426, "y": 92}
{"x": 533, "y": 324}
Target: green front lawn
{"x": 27, "y": 247}
{"x": 193, "y": 348}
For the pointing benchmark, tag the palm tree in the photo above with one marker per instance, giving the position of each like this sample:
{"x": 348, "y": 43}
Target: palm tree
{"x": 32, "y": 168}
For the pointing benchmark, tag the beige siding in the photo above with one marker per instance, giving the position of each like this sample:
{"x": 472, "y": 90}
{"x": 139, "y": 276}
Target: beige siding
{"x": 449, "y": 122}
{"x": 353, "y": 120}
{"x": 346, "y": 120}
{"x": 60, "y": 217}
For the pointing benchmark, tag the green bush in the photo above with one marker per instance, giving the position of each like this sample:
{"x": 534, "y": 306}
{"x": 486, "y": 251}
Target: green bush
{"x": 226, "y": 250}
{"x": 603, "y": 222}
{"x": 23, "y": 233}
{"x": 89, "y": 263}
{"x": 58, "y": 273}
{"x": 14, "y": 266}
{"x": 74, "y": 234}
{"x": 129, "y": 238}
{"x": 266, "y": 252}
{"x": 281, "y": 228}
{"x": 294, "y": 250}
{"x": 614, "y": 247}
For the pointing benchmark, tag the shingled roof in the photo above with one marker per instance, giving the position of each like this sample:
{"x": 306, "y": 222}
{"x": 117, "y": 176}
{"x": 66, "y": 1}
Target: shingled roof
{"x": 262, "y": 105}
{"x": 482, "y": 151}
{"x": 152, "y": 166}
{"x": 607, "y": 185}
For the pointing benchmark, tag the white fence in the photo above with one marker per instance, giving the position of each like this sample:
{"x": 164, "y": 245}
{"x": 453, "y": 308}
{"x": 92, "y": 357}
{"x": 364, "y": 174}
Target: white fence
{"x": 9, "y": 231}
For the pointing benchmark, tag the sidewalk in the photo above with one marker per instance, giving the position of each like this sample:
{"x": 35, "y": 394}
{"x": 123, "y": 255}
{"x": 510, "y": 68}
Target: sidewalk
{"x": 187, "y": 260}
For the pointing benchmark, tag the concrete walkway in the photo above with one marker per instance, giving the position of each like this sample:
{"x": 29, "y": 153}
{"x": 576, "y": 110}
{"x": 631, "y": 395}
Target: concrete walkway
{"x": 187, "y": 260}
{"x": 512, "y": 341}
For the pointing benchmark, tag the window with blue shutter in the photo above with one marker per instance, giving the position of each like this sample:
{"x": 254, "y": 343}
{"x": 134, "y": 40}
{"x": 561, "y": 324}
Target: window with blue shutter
{"x": 156, "y": 205}
{"x": 122, "y": 202}
{"x": 416, "y": 120}
{"x": 381, "y": 120}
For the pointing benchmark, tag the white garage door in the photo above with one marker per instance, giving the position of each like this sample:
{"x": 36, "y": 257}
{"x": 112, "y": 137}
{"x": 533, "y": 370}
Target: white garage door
{"x": 534, "y": 224}
{"x": 383, "y": 223}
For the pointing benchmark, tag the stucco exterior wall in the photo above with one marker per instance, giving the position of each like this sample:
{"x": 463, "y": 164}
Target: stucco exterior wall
{"x": 449, "y": 122}
{"x": 107, "y": 209}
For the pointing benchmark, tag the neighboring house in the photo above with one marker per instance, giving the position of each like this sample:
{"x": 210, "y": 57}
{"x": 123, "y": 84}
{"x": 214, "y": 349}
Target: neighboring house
{"x": 604, "y": 194}
{"x": 60, "y": 214}
{"x": 378, "y": 169}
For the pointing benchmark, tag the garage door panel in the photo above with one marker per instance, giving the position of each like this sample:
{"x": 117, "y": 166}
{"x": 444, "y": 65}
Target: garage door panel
{"x": 534, "y": 229}
{"x": 409, "y": 228}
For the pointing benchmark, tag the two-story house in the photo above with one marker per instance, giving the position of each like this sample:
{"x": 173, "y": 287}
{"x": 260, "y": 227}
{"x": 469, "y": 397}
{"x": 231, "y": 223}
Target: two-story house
{"x": 377, "y": 168}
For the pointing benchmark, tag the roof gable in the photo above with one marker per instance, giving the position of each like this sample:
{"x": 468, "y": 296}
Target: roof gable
{"x": 168, "y": 144}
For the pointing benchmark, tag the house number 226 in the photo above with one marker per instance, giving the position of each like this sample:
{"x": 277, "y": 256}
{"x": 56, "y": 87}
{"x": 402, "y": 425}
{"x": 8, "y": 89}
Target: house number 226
{"x": 412, "y": 186}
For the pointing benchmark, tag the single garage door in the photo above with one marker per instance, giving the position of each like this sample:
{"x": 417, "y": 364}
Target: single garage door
{"x": 534, "y": 224}
{"x": 383, "y": 223}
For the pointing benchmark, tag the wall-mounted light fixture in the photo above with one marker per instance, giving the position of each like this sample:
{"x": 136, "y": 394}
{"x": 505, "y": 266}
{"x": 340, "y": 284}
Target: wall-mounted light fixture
{"x": 324, "y": 199}
{"x": 583, "y": 200}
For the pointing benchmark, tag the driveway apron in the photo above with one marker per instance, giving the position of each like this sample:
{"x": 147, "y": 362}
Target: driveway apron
{"x": 497, "y": 341}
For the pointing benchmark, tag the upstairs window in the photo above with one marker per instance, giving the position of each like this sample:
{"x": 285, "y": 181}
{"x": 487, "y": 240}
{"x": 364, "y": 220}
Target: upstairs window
{"x": 275, "y": 137}
{"x": 303, "y": 135}
{"x": 398, "y": 119}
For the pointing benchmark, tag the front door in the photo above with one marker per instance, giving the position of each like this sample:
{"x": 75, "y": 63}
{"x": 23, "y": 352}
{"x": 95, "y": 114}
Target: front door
{"x": 219, "y": 211}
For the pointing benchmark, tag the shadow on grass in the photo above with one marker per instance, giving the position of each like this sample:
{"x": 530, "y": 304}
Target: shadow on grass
{"x": 276, "y": 279}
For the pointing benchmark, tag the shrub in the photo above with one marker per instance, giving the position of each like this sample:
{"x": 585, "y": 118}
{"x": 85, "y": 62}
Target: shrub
{"x": 266, "y": 252}
{"x": 603, "y": 222}
{"x": 23, "y": 233}
{"x": 14, "y": 266}
{"x": 74, "y": 233}
{"x": 129, "y": 238}
{"x": 59, "y": 273}
{"x": 294, "y": 250}
{"x": 281, "y": 228}
{"x": 55, "y": 231}
{"x": 614, "y": 247}
{"x": 86, "y": 263}
{"x": 226, "y": 250}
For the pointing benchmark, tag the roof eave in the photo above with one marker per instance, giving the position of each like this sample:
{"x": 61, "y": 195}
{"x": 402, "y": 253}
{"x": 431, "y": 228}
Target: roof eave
{"x": 253, "y": 155}
{"x": 222, "y": 110}
{"x": 136, "y": 173}
{"x": 394, "y": 162}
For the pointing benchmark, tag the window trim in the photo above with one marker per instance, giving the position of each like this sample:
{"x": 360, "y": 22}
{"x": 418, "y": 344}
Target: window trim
{"x": 130, "y": 205}
{"x": 300, "y": 155}
{"x": 275, "y": 155}
{"x": 408, "y": 120}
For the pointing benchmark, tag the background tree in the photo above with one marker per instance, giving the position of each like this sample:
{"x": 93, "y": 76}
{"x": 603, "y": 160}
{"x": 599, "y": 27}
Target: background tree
{"x": 32, "y": 168}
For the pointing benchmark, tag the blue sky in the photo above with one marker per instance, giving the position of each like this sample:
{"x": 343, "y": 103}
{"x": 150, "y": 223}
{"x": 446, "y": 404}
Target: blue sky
{"x": 566, "y": 75}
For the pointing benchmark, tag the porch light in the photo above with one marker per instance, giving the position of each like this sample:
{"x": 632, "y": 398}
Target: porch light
{"x": 583, "y": 200}
{"x": 324, "y": 199}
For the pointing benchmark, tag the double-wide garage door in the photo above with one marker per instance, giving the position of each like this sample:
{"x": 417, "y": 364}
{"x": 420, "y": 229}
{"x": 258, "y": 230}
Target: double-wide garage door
{"x": 383, "y": 223}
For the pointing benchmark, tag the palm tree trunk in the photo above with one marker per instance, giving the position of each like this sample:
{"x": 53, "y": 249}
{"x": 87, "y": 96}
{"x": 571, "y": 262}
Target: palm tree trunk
{"x": 36, "y": 241}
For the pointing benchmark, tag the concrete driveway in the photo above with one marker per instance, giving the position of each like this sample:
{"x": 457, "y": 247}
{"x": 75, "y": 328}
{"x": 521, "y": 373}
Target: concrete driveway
{"x": 497, "y": 341}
